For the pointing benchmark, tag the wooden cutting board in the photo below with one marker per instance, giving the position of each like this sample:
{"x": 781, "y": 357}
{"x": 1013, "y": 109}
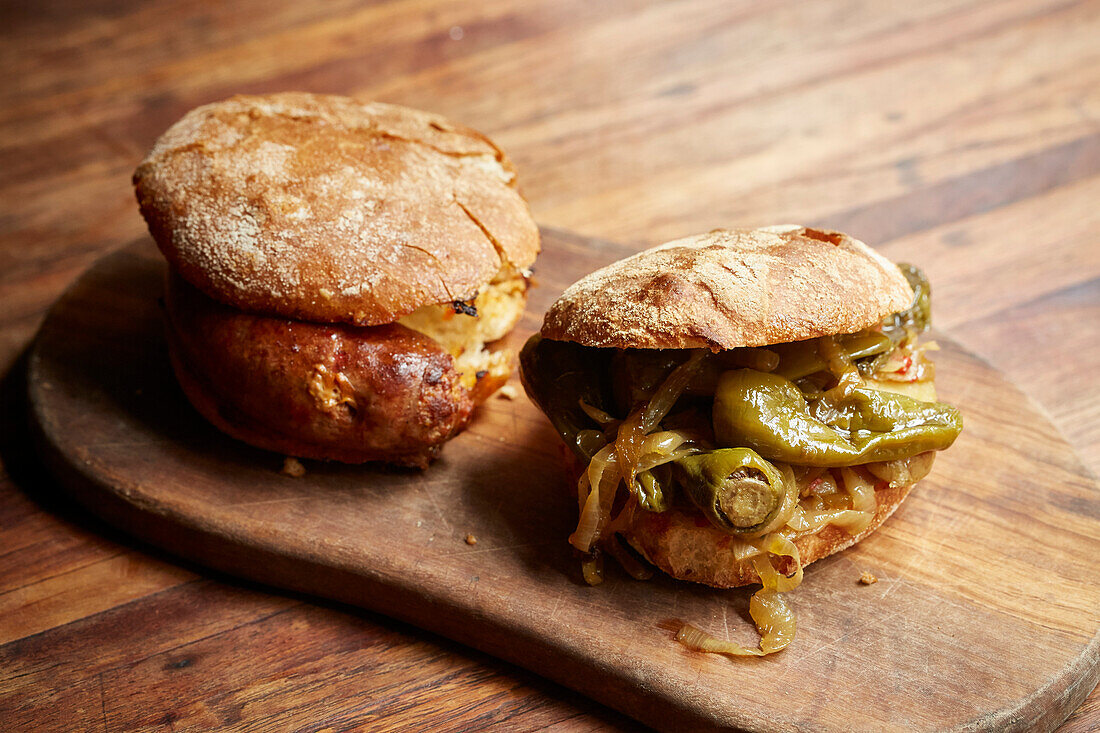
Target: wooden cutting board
{"x": 985, "y": 615}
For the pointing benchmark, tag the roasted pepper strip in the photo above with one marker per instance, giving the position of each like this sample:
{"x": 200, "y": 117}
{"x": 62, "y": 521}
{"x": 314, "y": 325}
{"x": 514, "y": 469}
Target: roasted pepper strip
{"x": 651, "y": 494}
{"x": 918, "y": 316}
{"x": 557, "y": 376}
{"x": 770, "y": 415}
{"x": 802, "y": 358}
{"x": 737, "y": 490}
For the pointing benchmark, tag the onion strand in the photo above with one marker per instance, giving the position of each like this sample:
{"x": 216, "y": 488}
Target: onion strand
{"x": 774, "y": 619}
{"x": 633, "y": 430}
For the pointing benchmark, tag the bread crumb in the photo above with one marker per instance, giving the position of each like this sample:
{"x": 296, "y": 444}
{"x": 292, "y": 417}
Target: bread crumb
{"x": 867, "y": 578}
{"x": 293, "y": 467}
{"x": 508, "y": 392}
{"x": 471, "y": 540}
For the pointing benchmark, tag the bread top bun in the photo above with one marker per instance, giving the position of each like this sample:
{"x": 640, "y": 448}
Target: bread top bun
{"x": 326, "y": 209}
{"x": 731, "y": 288}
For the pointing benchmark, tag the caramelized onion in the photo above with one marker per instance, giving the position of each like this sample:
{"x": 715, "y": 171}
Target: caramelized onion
{"x": 633, "y": 450}
{"x": 774, "y": 621}
{"x": 633, "y": 430}
{"x": 592, "y": 569}
{"x": 849, "y": 519}
{"x": 904, "y": 472}
{"x": 652, "y": 460}
{"x": 778, "y": 545}
{"x": 861, "y": 491}
{"x": 907, "y": 363}
{"x": 592, "y": 490}
{"x": 600, "y": 417}
{"x": 698, "y": 640}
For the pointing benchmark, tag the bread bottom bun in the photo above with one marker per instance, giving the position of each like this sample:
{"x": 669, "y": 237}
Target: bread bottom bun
{"x": 682, "y": 543}
{"x": 325, "y": 391}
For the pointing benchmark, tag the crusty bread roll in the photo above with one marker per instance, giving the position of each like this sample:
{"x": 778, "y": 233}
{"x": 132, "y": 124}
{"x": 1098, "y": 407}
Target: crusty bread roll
{"x": 731, "y": 288}
{"x": 720, "y": 291}
{"x": 339, "y": 271}
{"x": 321, "y": 208}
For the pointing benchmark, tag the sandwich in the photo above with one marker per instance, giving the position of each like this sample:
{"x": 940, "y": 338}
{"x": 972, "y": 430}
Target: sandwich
{"x": 739, "y": 404}
{"x": 339, "y": 272}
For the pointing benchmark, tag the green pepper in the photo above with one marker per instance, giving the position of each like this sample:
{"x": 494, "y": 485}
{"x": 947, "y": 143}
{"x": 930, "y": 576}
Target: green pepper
{"x": 907, "y": 323}
{"x": 802, "y": 358}
{"x": 918, "y": 316}
{"x": 652, "y": 493}
{"x": 636, "y": 374}
{"x": 771, "y": 415}
{"x": 737, "y": 490}
{"x": 557, "y": 376}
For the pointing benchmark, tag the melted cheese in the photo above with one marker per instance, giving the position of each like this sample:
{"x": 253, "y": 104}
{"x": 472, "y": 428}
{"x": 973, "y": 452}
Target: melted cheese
{"x": 499, "y": 307}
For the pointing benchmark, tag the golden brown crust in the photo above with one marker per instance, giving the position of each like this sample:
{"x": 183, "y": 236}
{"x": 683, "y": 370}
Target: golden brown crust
{"x": 326, "y": 209}
{"x": 352, "y": 394}
{"x": 686, "y": 546}
{"x": 731, "y": 288}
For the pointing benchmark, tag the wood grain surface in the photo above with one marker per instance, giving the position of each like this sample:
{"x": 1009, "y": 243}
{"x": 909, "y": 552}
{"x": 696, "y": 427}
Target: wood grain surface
{"x": 961, "y": 135}
{"x": 992, "y": 556}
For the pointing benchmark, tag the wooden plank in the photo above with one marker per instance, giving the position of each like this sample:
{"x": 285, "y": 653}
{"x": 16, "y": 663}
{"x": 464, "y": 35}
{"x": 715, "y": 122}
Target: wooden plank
{"x": 83, "y": 591}
{"x": 956, "y": 254}
{"x": 38, "y": 545}
{"x": 318, "y": 664}
{"x": 124, "y": 635}
{"x": 55, "y": 679}
{"x": 1061, "y": 331}
{"x": 823, "y": 134}
{"x": 186, "y": 645}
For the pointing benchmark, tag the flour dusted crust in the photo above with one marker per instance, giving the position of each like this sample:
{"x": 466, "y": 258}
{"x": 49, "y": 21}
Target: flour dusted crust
{"x": 731, "y": 288}
{"x": 684, "y": 545}
{"x": 326, "y": 209}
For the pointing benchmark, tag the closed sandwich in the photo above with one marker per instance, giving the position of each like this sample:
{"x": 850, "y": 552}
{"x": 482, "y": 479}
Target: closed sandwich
{"x": 739, "y": 404}
{"x": 339, "y": 271}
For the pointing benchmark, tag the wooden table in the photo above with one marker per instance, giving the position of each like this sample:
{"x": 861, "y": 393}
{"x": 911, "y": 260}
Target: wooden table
{"x": 961, "y": 135}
